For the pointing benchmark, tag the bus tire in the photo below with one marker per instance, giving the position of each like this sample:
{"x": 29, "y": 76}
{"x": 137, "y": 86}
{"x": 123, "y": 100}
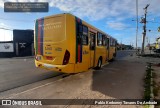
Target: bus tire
{"x": 99, "y": 64}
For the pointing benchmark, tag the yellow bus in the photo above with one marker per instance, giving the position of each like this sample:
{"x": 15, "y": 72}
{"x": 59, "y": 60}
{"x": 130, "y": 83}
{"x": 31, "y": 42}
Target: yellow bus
{"x": 65, "y": 43}
{"x": 157, "y": 45}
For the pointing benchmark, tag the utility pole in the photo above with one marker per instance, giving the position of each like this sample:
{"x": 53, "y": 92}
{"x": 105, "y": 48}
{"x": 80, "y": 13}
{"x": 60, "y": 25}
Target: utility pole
{"x": 143, "y": 20}
{"x": 137, "y": 23}
{"x": 121, "y": 44}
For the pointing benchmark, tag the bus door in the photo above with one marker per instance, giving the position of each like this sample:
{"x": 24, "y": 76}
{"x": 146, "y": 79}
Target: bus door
{"x": 107, "y": 45}
{"x": 92, "y": 48}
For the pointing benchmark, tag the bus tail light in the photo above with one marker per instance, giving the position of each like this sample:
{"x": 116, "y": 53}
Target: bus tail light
{"x": 66, "y": 57}
{"x": 49, "y": 57}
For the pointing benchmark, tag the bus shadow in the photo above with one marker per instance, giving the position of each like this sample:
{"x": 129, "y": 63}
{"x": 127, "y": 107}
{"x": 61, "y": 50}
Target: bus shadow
{"x": 120, "y": 80}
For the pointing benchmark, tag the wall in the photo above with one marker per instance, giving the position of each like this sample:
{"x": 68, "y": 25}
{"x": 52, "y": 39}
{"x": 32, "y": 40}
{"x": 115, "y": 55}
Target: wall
{"x": 22, "y": 44}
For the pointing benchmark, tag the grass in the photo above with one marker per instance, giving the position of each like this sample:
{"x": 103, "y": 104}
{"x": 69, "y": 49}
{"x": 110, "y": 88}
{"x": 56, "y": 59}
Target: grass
{"x": 150, "y": 74}
{"x": 147, "y": 82}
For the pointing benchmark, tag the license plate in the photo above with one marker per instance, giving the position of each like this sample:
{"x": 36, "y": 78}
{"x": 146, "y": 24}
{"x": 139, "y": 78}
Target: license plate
{"x": 48, "y": 66}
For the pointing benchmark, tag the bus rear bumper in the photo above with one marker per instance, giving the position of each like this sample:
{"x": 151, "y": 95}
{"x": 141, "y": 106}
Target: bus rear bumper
{"x": 69, "y": 68}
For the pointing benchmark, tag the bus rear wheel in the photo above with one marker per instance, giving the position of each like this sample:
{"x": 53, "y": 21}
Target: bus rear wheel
{"x": 99, "y": 64}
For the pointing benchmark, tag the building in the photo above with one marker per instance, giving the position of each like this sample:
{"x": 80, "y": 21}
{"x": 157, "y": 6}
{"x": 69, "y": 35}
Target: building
{"x": 22, "y": 44}
{"x": 157, "y": 45}
{"x": 124, "y": 47}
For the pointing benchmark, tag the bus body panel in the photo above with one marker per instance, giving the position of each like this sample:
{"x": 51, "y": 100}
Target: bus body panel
{"x": 92, "y": 48}
{"x": 70, "y": 34}
{"x": 111, "y": 51}
{"x": 83, "y": 64}
{"x": 51, "y": 39}
{"x": 69, "y": 68}
{"x": 99, "y": 51}
{"x": 54, "y": 43}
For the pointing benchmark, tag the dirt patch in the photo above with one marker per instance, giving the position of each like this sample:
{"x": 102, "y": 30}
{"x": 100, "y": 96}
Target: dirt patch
{"x": 150, "y": 55}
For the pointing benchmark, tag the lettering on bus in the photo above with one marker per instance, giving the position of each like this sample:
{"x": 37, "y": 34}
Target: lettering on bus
{"x": 48, "y": 52}
{"x": 58, "y": 49}
{"x": 48, "y": 48}
{"x": 49, "y": 26}
{"x": 85, "y": 52}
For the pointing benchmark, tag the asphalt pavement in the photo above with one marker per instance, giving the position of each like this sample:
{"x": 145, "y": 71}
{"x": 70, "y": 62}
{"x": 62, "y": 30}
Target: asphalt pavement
{"x": 19, "y": 71}
{"x": 120, "y": 79}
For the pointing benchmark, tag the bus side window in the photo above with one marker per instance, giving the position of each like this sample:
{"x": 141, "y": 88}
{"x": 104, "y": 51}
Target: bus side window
{"x": 99, "y": 39}
{"x": 107, "y": 43}
{"x": 79, "y": 37}
{"x": 92, "y": 41}
{"x": 85, "y": 35}
{"x": 113, "y": 42}
{"x": 80, "y": 29}
{"x": 104, "y": 40}
{"x": 110, "y": 41}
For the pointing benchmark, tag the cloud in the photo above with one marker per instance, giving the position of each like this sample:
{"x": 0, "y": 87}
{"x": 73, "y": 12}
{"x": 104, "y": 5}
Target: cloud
{"x": 1, "y": 4}
{"x": 116, "y": 25}
{"x": 100, "y": 9}
{"x": 82, "y": 8}
{"x": 3, "y": 25}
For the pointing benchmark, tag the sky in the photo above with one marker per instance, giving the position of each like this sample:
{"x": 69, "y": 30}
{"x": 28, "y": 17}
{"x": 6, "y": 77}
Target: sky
{"x": 115, "y": 17}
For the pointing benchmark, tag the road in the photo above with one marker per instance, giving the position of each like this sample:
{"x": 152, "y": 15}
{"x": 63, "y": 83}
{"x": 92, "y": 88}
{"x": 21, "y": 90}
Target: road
{"x": 121, "y": 79}
{"x": 123, "y": 54}
{"x": 15, "y": 72}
